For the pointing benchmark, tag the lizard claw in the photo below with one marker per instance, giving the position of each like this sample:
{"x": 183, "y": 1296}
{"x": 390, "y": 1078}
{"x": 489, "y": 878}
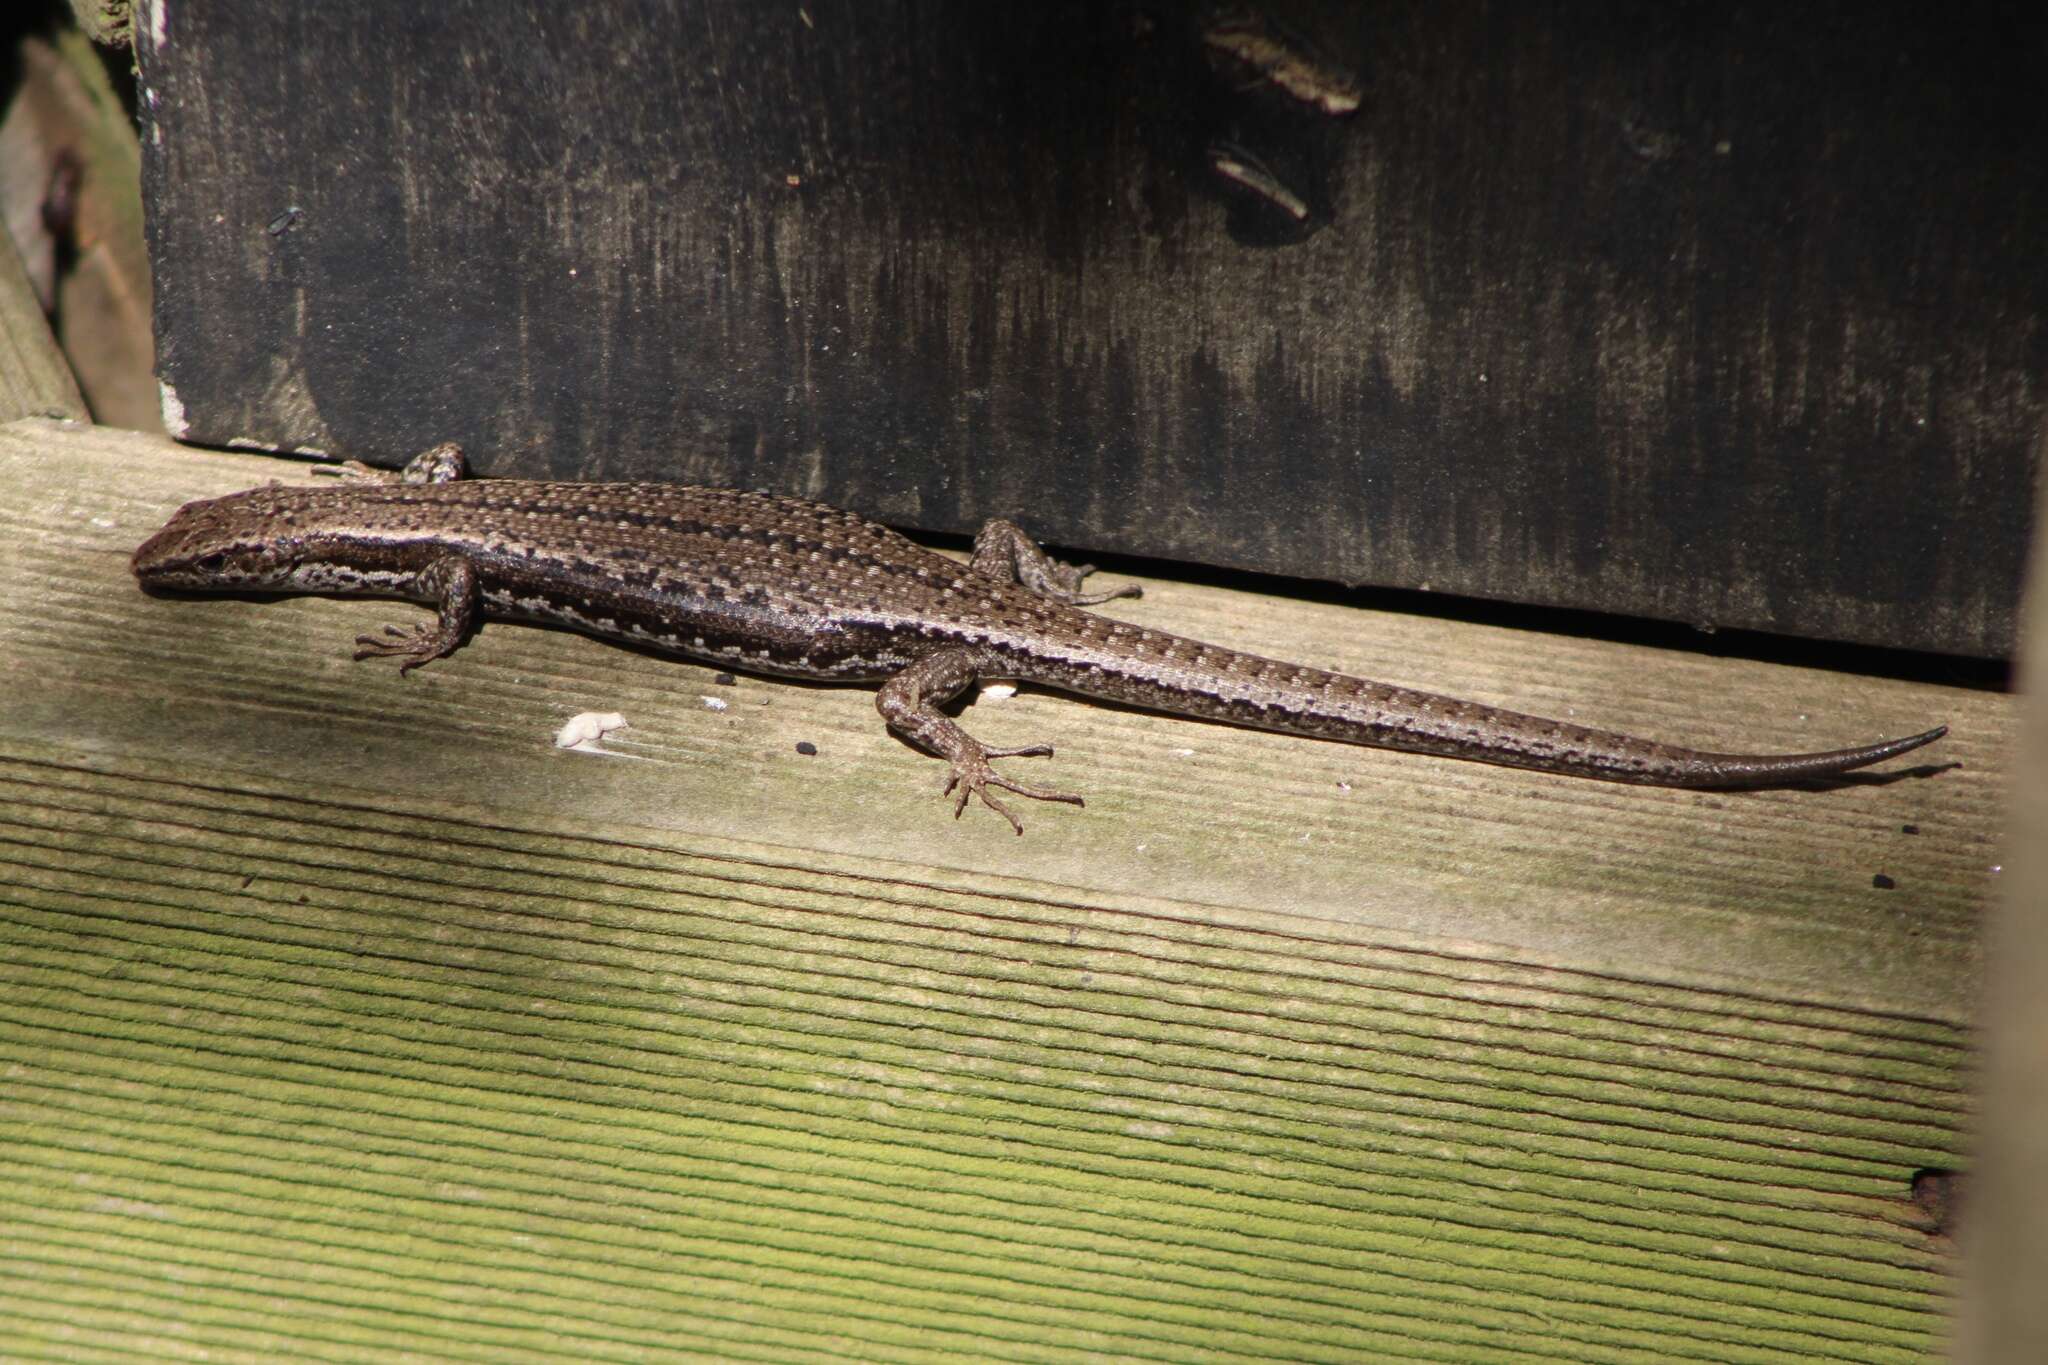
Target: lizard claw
{"x": 1023, "y": 751}
{"x": 972, "y": 776}
{"x": 1069, "y": 577}
{"x": 421, "y": 644}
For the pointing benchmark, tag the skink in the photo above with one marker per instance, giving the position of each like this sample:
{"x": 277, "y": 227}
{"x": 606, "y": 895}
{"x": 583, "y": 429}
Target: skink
{"x": 784, "y": 586}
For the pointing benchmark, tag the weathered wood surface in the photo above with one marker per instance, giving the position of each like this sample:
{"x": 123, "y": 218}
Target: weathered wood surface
{"x": 1726, "y": 314}
{"x": 69, "y": 159}
{"x": 1192, "y": 812}
{"x": 348, "y": 1017}
{"x": 2005, "y": 1316}
{"x": 35, "y": 381}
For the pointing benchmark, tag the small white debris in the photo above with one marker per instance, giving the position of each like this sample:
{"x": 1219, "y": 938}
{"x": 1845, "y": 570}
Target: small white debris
{"x": 583, "y": 731}
{"x": 1001, "y": 691}
{"x": 715, "y": 703}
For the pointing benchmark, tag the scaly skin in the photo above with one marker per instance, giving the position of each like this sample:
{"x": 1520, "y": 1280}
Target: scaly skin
{"x": 784, "y": 586}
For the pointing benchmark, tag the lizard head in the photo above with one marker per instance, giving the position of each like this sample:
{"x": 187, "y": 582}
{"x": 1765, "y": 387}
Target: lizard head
{"x": 241, "y": 543}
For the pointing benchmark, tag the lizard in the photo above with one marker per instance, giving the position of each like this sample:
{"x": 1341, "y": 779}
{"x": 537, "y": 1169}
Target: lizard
{"x": 789, "y": 587}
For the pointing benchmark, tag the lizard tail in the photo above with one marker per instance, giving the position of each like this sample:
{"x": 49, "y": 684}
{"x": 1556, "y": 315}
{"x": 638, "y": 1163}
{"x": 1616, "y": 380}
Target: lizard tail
{"x": 1171, "y": 673}
{"x": 1695, "y": 769}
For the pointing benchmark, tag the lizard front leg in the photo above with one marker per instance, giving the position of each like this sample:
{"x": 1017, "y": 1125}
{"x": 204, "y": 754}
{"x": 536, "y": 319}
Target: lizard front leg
{"x": 910, "y": 703}
{"x": 450, "y": 582}
{"x": 443, "y": 463}
{"x": 1002, "y": 551}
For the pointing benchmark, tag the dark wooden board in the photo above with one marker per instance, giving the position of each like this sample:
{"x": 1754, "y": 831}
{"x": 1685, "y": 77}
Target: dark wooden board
{"x": 1728, "y": 314}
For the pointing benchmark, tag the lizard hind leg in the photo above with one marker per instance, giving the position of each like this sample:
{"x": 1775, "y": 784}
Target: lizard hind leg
{"x": 910, "y": 702}
{"x": 1002, "y": 551}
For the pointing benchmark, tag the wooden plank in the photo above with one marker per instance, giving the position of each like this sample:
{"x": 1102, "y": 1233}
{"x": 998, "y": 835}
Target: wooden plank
{"x": 374, "y": 1077}
{"x": 35, "y": 380}
{"x": 392, "y": 1028}
{"x": 1660, "y": 881}
{"x": 1593, "y": 311}
{"x": 2004, "y": 1207}
{"x": 67, "y": 138}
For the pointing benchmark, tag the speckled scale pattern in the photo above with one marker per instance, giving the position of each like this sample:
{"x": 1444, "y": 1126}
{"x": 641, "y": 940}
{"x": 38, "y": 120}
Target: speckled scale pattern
{"x": 785, "y": 586}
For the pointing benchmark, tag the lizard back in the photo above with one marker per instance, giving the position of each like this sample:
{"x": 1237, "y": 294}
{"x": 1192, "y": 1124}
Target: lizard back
{"x": 788, "y": 586}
